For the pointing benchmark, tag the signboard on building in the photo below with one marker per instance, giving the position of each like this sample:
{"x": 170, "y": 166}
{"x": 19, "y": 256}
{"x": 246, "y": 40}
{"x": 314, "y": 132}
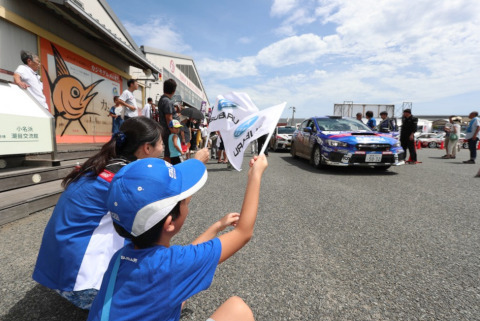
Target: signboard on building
{"x": 25, "y": 125}
{"x": 78, "y": 91}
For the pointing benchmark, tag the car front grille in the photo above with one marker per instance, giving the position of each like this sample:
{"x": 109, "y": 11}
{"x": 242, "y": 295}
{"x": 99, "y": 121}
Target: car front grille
{"x": 373, "y": 147}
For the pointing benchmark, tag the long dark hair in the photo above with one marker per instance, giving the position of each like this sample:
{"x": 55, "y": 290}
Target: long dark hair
{"x": 134, "y": 132}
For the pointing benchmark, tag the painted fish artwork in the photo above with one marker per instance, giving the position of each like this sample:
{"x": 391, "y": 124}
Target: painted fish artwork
{"x": 69, "y": 95}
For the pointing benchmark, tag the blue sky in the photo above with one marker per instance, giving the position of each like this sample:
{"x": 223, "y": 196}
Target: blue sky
{"x": 314, "y": 53}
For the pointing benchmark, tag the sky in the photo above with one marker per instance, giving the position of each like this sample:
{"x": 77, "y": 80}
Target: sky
{"x": 315, "y": 53}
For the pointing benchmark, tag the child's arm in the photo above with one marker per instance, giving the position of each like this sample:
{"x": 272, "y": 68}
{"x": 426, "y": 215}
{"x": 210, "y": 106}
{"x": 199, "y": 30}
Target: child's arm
{"x": 175, "y": 143}
{"x": 217, "y": 227}
{"x": 236, "y": 239}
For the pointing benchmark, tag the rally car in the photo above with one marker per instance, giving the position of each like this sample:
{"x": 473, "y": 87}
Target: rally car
{"x": 281, "y": 137}
{"x": 343, "y": 141}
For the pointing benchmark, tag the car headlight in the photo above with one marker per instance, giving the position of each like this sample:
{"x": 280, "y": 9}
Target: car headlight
{"x": 397, "y": 144}
{"x": 336, "y": 143}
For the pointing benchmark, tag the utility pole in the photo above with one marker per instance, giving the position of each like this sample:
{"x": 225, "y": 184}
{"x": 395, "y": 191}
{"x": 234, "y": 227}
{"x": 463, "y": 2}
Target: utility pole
{"x": 293, "y": 115}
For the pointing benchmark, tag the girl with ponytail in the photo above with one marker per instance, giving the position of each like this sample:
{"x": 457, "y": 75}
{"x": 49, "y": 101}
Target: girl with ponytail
{"x": 79, "y": 239}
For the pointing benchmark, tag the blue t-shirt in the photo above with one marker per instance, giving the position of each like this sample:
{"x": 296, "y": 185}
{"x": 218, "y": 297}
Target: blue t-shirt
{"x": 152, "y": 283}
{"x": 372, "y": 123}
{"x": 79, "y": 239}
{"x": 173, "y": 151}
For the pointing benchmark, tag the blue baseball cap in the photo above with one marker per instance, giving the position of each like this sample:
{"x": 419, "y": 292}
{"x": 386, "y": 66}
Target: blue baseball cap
{"x": 143, "y": 192}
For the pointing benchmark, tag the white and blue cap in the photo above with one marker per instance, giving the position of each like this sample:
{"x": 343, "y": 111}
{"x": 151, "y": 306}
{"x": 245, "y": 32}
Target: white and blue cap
{"x": 143, "y": 193}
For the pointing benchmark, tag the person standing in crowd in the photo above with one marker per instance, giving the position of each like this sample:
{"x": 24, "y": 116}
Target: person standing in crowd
{"x": 115, "y": 112}
{"x": 359, "y": 117}
{"x": 447, "y": 128}
{"x": 386, "y": 125}
{"x": 253, "y": 147}
{"x": 128, "y": 101}
{"x": 26, "y": 77}
{"x": 147, "y": 109}
{"x": 371, "y": 122}
{"x": 185, "y": 136}
{"x": 178, "y": 110}
{"x": 174, "y": 142}
{"x": 166, "y": 111}
{"x": 472, "y": 135}
{"x": 221, "y": 150}
{"x": 262, "y": 141}
{"x": 407, "y": 138}
{"x": 214, "y": 150}
{"x": 195, "y": 128}
{"x": 204, "y": 133}
{"x": 454, "y": 135}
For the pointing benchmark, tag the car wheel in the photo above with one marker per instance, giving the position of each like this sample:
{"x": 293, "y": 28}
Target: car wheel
{"x": 465, "y": 145}
{"x": 317, "y": 157}
{"x": 293, "y": 151}
{"x": 382, "y": 167}
{"x": 275, "y": 147}
{"x": 432, "y": 145}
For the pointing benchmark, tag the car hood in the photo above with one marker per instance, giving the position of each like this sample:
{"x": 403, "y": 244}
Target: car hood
{"x": 360, "y": 137}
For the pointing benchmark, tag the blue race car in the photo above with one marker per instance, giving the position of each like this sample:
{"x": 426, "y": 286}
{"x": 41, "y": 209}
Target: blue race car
{"x": 341, "y": 141}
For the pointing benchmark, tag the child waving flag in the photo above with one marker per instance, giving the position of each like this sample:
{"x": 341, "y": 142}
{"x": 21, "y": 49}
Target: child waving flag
{"x": 240, "y": 122}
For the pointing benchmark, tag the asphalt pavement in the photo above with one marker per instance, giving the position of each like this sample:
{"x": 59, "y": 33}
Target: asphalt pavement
{"x": 330, "y": 244}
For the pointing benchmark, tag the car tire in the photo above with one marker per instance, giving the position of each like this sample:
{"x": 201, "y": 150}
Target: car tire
{"x": 293, "y": 151}
{"x": 275, "y": 147}
{"x": 382, "y": 167}
{"x": 432, "y": 145}
{"x": 316, "y": 158}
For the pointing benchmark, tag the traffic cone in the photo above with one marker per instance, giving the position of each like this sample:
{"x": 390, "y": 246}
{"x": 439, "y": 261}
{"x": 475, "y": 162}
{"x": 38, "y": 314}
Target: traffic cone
{"x": 419, "y": 145}
{"x": 478, "y": 145}
{"x": 442, "y": 145}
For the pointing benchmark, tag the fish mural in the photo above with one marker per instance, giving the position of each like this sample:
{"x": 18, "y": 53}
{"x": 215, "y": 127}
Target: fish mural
{"x": 69, "y": 96}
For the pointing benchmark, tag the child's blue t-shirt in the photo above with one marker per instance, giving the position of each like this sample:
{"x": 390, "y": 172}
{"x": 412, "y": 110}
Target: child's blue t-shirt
{"x": 372, "y": 122}
{"x": 152, "y": 283}
{"x": 173, "y": 151}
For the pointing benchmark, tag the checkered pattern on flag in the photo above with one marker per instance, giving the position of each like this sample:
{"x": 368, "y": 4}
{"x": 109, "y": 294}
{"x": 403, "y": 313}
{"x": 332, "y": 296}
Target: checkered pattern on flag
{"x": 247, "y": 129}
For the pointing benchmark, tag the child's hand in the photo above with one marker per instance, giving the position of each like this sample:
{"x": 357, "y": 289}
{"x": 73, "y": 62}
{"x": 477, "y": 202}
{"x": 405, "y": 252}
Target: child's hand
{"x": 258, "y": 164}
{"x": 229, "y": 219}
{"x": 203, "y": 155}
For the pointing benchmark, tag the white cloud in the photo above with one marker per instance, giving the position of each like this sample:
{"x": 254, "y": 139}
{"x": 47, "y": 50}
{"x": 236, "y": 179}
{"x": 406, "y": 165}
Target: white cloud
{"x": 226, "y": 69}
{"x": 158, "y": 34}
{"x": 282, "y": 7}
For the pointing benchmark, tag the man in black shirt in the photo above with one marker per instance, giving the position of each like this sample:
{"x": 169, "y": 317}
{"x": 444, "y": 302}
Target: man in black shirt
{"x": 167, "y": 112}
{"x": 407, "y": 139}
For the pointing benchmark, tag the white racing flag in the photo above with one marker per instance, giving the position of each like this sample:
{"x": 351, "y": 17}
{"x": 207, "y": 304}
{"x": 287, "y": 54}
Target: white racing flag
{"x": 240, "y": 123}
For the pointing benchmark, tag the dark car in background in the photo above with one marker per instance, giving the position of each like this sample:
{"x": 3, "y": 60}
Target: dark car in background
{"x": 339, "y": 141}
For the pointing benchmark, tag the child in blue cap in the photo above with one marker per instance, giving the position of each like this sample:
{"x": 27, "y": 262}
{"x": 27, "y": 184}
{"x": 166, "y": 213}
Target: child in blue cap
{"x": 149, "y": 278}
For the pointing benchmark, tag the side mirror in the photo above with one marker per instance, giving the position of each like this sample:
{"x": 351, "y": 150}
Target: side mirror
{"x": 307, "y": 129}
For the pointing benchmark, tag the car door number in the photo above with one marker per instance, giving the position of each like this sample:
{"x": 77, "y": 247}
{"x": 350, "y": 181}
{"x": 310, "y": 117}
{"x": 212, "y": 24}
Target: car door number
{"x": 373, "y": 158}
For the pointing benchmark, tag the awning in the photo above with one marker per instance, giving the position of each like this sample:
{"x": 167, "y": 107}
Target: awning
{"x": 73, "y": 12}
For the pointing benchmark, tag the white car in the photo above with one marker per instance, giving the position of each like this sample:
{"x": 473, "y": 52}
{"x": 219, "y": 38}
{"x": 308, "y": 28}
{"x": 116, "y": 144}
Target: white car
{"x": 282, "y": 138}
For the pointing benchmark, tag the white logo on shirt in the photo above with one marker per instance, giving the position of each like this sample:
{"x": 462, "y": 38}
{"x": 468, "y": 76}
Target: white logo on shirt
{"x": 134, "y": 260}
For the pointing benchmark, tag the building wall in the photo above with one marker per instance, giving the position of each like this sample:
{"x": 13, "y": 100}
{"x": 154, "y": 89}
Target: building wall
{"x": 27, "y": 25}
{"x": 189, "y": 91}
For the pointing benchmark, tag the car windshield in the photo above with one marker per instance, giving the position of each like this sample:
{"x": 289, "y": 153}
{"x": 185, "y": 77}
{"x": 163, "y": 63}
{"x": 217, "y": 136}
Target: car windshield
{"x": 340, "y": 124}
{"x": 286, "y": 130}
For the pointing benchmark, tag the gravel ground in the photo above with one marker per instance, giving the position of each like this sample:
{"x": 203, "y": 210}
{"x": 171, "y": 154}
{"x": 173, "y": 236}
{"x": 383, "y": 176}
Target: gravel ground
{"x": 333, "y": 244}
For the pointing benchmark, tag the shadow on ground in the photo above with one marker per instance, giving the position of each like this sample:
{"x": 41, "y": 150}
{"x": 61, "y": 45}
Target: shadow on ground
{"x": 41, "y": 303}
{"x": 304, "y": 164}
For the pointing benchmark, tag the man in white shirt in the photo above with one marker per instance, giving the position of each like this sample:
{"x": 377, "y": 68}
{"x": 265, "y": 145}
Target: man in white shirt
{"x": 128, "y": 101}
{"x": 26, "y": 77}
{"x": 147, "y": 109}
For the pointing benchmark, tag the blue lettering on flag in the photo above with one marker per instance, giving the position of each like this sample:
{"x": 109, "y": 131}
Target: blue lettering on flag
{"x": 224, "y": 103}
{"x": 244, "y": 126}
